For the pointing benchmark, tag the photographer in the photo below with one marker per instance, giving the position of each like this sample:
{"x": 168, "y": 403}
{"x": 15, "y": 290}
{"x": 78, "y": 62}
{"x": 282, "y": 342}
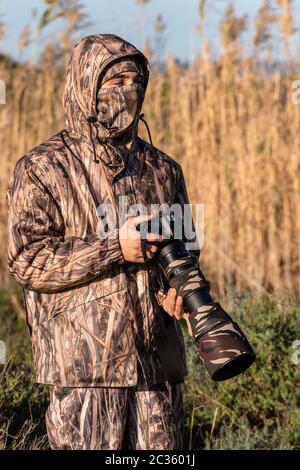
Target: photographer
{"x": 90, "y": 312}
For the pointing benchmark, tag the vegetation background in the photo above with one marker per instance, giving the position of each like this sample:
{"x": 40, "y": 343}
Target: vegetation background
{"x": 232, "y": 120}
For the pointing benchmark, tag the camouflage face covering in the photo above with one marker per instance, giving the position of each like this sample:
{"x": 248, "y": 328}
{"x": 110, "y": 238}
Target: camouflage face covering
{"x": 119, "y": 107}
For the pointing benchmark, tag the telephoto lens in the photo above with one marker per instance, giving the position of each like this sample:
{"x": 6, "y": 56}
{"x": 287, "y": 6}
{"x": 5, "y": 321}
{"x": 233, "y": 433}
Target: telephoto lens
{"x": 221, "y": 344}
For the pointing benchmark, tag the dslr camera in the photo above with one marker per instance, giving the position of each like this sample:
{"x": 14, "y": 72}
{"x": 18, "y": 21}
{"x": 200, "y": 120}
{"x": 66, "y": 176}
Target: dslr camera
{"x": 221, "y": 344}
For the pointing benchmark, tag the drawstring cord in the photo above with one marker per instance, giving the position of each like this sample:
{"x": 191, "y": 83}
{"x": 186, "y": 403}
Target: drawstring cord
{"x": 91, "y": 120}
{"x": 147, "y": 127}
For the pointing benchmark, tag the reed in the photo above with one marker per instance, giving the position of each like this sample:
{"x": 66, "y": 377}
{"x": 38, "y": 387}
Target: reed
{"x": 232, "y": 125}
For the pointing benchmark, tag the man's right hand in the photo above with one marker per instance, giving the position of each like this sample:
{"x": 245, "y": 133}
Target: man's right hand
{"x": 130, "y": 240}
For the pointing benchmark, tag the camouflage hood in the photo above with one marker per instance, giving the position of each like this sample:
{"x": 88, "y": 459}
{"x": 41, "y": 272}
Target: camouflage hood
{"x": 89, "y": 61}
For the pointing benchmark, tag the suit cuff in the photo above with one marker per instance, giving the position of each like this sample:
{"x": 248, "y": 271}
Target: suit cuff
{"x": 114, "y": 248}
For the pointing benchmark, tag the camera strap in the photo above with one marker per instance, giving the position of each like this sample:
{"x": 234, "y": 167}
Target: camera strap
{"x": 166, "y": 338}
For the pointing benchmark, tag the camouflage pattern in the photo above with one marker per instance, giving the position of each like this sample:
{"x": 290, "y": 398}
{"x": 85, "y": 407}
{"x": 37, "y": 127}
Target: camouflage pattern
{"x": 222, "y": 346}
{"x": 102, "y": 418}
{"x": 86, "y": 70}
{"x": 117, "y": 107}
{"x": 201, "y": 319}
{"x": 89, "y": 312}
{"x": 191, "y": 279}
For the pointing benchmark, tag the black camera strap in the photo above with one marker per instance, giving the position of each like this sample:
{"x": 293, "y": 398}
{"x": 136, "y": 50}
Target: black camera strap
{"x": 167, "y": 337}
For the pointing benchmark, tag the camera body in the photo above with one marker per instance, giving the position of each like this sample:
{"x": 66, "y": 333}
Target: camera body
{"x": 221, "y": 344}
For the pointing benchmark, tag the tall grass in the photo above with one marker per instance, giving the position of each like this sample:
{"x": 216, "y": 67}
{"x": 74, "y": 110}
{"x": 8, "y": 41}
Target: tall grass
{"x": 229, "y": 122}
{"x": 232, "y": 125}
{"x": 256, "y": 410}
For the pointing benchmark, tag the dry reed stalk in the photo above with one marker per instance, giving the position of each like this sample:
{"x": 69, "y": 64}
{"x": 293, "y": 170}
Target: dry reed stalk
{"x": 234, "y": 130}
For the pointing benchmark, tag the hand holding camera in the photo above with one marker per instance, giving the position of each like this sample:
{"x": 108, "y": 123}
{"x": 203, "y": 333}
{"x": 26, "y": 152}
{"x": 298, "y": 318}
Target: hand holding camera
{"x": 130, "y": 240}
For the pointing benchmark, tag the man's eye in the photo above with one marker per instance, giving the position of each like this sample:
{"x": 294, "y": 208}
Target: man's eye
{"x": 120, "y": 81}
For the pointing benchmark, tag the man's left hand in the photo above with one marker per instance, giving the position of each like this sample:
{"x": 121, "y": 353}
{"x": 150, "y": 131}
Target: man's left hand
{"x": 173, "y": 305}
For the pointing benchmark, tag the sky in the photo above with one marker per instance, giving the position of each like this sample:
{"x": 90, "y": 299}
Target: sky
{"x": 135, "y": 24}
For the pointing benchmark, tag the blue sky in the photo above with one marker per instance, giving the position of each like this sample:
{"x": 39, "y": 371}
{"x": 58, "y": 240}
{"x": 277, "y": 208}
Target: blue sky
{"x": 124, "y": 18}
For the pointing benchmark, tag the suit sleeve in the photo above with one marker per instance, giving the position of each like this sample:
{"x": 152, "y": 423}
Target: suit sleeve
{"x": 40, "y": 258}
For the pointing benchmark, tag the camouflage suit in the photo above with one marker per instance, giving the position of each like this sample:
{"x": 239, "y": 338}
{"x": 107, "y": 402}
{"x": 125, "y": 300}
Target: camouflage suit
{"x": 89, "y": 312}
{"x": 100, "y": 418}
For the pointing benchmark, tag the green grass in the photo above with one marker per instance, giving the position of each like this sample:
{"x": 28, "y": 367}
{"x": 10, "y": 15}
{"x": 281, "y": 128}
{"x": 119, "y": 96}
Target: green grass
{"x": 22, "y": 401}
{"x": 257, "y": 410}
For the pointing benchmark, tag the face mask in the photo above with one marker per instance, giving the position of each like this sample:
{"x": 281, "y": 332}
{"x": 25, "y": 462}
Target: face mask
{"x": 118, "y": 107}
